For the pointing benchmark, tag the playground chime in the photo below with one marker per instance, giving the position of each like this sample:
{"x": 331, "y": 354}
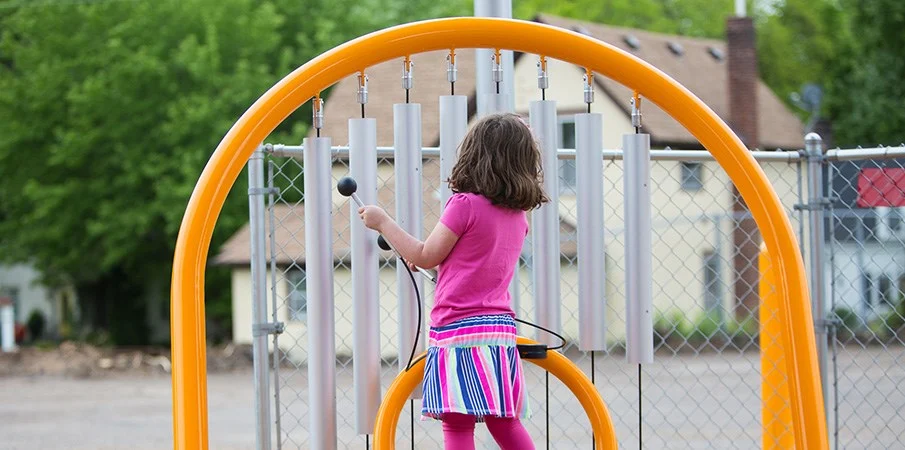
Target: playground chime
{"x": 361, "y": 187}
{"x": 380, "y": 416}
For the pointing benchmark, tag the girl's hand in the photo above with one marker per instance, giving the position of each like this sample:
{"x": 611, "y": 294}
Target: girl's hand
{"x": 374, "y": 217}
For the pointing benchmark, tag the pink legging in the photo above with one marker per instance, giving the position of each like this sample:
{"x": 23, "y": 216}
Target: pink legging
{"x": 508, "y": 432}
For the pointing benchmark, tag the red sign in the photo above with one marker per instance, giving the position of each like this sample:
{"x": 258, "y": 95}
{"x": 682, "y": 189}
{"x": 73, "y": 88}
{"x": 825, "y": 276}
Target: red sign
{"x": 881, "y": 187}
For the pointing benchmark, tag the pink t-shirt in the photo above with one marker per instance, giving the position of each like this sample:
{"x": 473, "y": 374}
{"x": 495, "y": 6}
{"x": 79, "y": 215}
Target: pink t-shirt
{"x": 474, "y": 279}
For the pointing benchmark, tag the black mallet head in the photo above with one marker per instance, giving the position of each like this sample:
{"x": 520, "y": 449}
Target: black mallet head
{"x": 382, "y": 243}
{"x": 346, "y": 186}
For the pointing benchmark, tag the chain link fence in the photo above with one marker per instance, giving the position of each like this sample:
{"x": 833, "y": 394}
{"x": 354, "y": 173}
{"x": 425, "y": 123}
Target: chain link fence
{"x": 704, "y": 389}
{"x": 866, "y": 276}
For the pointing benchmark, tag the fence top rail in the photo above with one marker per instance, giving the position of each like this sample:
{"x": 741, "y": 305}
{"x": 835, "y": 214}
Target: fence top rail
{"x": 296, "y": 151}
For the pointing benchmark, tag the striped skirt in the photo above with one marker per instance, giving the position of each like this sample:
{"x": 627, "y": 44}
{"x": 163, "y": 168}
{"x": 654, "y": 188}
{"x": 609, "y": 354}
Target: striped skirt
{"x": 473, "y": 367}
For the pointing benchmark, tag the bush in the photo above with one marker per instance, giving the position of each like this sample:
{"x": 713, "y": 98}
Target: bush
{"x": 706, "y": 328}
{"x": 36, "y": 323}
{"x": 670, "y": 327}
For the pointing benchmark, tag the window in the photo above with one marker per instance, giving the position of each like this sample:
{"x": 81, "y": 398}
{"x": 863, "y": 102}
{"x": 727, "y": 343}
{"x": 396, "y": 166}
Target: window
{"x": 890, "y": 226}
{"x": 567, "y": 141}
{"x": 712, "y": 283}
{"x": 691, "y": 178}
{"x": 886, "y": 296}
{"x": 298, "y": 294}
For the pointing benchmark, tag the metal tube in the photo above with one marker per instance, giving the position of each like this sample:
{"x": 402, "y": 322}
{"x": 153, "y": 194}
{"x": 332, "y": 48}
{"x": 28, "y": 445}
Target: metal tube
{"x": 258, "y": 265}
{"x": 814, "y": 149}
{"x": 591, "y": 250}
{"x": 453, "y": 124}
{"x": 319, "y": 278}
{"x": 277, "y": 357}
{"x": 484, "y": 84}
{"x": 296, "y": 151}
{"x": 365, "y": 265}
{"x": 495, "y": 103}
{"x": 639, "y": 328}
{"x": 545, "y": 224}
{"x": 407, "y": 140}
{"x": 866, "y": 153}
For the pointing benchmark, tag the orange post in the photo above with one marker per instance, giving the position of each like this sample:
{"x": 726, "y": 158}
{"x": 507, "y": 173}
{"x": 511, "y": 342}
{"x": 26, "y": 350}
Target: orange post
{"x": 776, "y": 412}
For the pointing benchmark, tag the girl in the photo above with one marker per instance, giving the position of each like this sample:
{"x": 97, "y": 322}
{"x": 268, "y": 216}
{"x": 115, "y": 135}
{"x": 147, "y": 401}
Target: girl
{"x": 473, "y": 371}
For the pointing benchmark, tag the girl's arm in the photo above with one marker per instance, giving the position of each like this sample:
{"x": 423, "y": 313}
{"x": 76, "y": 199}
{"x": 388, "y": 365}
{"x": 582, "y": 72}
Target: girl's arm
{"x": 427, "y": 254}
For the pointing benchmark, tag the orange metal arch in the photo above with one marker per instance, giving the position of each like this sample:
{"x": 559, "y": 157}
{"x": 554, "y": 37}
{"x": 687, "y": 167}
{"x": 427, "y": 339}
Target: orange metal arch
{"x": 187, "y": 317}
{"x": 558, "y": 365}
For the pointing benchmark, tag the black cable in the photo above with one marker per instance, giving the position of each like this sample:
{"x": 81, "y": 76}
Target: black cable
{"x": 640, "y": 423}
{"x": 452, "y": 88}
{"x": 589, "y": 108}
{"x": 406, "y": 95}
{"x": 362, "y": 110}
{"x": 543, "y": 94}
{"x": 418, "y": 301}
{"x": 367, "y": 442}
{"x": 547, "y": 409}
{"x": 318, "y": 132}
{"x": 412, "y": 415}
{"x": 592, "y": 374}
{"x": 558, "y": 336}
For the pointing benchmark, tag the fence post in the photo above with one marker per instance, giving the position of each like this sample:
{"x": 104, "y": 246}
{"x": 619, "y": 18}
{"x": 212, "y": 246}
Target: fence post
{"x": 817, "y": 203}
{"x": 258, "y": 262}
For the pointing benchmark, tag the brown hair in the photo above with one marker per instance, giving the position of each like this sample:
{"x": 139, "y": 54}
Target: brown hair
{"x": 500, "y": 160}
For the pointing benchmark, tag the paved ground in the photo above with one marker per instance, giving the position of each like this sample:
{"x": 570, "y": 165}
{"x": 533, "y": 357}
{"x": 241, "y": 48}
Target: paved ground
{"x": 703, "y": 402}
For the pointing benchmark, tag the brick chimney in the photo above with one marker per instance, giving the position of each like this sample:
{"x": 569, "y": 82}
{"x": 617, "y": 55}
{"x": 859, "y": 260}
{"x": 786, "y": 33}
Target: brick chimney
{"x": 743, "y": 114}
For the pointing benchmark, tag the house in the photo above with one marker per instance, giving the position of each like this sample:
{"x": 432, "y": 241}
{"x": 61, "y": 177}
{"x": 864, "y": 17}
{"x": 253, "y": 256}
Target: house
{"x": 691, "y": 201}
{"x": 867, "y": 235}
{"x": 21, "y": 283}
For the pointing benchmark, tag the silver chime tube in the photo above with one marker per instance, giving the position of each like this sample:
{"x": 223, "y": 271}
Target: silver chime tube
{"x": 365, "y": 294}
{"x": 485, "y": 75}
{"x": 590, "y": 243}
{"x": 453, "y": 124}
{"x": 545, "y": 225}
{"x": 407, "y": 139}
{"x": 319, "y": 279}
{"x": 638, "y": 303}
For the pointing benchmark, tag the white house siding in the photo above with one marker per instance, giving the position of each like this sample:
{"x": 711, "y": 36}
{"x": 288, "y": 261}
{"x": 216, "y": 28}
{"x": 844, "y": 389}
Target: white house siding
{"x": 877, "y": 259}
{"x": 21, "y": 281}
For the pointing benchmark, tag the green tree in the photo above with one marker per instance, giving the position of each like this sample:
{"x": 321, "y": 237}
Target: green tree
{"x": 800, "y": 42}
{"x": 684, "y": 17}
{"x": 112, "y": 108}
{"x": 867, "y": 93}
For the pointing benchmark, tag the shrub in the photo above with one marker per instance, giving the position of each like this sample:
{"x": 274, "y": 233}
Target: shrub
{"x": 36, "y": 323}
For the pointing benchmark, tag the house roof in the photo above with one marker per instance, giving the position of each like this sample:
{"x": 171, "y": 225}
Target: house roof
{"x": 290, "y": 227}
{"x": 385, "y": 89}
{"x": 696, "y": 69}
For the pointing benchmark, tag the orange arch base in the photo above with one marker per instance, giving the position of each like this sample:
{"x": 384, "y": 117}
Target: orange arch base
{"x": 555, "y": 363}
{"x": 187, "y": 317}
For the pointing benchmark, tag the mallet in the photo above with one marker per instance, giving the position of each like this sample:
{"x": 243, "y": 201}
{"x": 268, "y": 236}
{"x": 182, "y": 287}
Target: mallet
{"x": 347, "y": 187}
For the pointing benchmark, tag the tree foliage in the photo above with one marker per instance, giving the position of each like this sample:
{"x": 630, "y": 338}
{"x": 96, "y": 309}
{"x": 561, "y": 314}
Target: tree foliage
{"x": 112, "y": 108}
{"x": 867, "y": 91}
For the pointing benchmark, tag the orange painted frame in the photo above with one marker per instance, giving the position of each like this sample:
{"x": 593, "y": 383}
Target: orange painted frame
{"x": 558, "y": 365}
{"x": 221, "y": 172}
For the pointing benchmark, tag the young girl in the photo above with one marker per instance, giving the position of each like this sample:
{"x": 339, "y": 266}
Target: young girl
{"x": 473, "y": 371}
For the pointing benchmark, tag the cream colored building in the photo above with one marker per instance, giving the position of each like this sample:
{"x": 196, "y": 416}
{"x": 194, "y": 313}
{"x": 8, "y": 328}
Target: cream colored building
{"x": 691, "y": 201}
